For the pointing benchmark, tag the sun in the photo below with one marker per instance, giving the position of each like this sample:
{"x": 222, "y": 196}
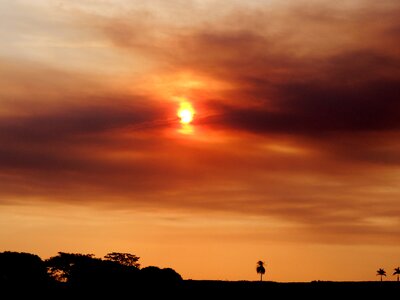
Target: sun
{"x": 185, "y": 113}
{"x": 186, "y": 116}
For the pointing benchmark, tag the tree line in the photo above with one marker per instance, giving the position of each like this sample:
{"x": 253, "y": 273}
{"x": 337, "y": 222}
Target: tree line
{"x": 75, "y": 271}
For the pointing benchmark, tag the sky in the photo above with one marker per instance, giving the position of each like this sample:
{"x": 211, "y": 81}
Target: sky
{"x": 292, "y": 157}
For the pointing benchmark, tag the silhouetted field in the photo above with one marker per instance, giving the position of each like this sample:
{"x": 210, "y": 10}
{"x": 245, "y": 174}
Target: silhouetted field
{"x": 198, "y": 289}
{"x": 265, "y": 290}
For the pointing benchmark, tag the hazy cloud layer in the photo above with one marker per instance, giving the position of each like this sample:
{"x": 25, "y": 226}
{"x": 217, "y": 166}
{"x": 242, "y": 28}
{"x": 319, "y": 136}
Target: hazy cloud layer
{"x": 298, "y": 119}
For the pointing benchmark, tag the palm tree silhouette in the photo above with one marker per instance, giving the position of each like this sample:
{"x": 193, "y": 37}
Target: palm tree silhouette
{"x": 260, "y": 268}
{"x": 381, "y": 272}
{"x": 397, "y": 272}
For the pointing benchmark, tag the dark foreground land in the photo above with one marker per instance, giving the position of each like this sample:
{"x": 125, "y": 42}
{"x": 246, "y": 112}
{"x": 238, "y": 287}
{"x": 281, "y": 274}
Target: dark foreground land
{"x": 196, "y": 289}
{"x": 269, "y": 290}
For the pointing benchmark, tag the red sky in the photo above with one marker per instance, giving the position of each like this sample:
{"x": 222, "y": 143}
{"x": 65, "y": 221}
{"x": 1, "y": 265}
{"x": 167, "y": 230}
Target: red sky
{"x": 293, "y": 156}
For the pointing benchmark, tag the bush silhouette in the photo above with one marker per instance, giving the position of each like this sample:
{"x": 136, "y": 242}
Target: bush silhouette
{"x": 156, "y": 275}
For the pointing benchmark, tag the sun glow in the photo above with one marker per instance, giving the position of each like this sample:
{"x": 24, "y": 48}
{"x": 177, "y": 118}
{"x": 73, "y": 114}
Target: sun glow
{"x": 185, "y": 113}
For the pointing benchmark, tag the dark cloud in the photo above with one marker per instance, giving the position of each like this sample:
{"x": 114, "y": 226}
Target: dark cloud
{"x": 316, "y": 109}
{"x": 79, "y": 121}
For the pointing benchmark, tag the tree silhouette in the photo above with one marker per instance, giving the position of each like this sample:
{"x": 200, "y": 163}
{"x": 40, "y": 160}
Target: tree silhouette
{"x": 125, "y": 259}
{"x": 64, "y": 266}
{"x": 381, "y": 272}
{"x": 86, "y": 271}
{"x": 21, "y": 268}
{"x": 397, "y": 272}
{"x": 260, "y": 268}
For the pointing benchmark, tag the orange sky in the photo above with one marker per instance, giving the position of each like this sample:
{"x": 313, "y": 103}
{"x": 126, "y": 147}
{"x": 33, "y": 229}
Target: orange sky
{"x": 293, "y": 156}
